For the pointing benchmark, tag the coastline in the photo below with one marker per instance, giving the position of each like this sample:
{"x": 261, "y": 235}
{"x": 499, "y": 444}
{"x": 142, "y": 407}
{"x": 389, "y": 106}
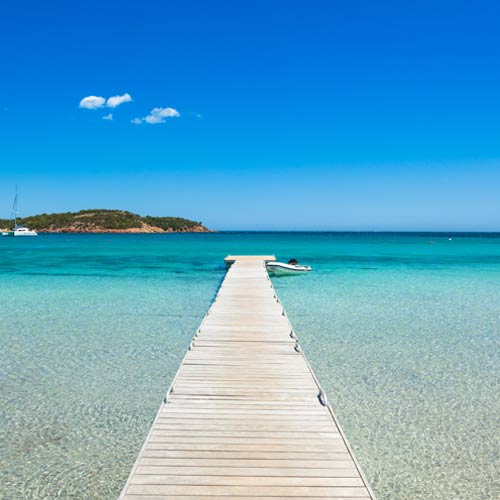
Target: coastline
{"x": 106, "y": 221}
{"x": 132, "y": 230}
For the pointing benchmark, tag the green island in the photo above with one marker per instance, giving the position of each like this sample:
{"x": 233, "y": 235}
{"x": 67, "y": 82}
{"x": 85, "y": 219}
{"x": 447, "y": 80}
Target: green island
{"x": 106, "y": 221}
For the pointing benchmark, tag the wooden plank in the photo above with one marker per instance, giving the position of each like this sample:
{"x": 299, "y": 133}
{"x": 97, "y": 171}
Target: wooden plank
{"x": 247, "y": 471}
{"x": 231, "y": 259}
{"x": 246, "y": 480}
{"x": 205, "y": 412}
{"x": 256, "y": 463}
{"x": 279, "y": 398}
{"x": 249, "y": 491}
{"x": 244, "y": 418}
{"x": 311, "y": 429}
{"x": 237, "y": 438}
{"x": 247, "y": 455}
{"x": 249, "y": 446}
{"x": 175, "y": 405}
{"x": 249, "y": 435}
{"x": 204, "y": 497}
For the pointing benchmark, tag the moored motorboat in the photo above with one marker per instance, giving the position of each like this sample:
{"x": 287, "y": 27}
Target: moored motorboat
{"x": 291, "y": 268}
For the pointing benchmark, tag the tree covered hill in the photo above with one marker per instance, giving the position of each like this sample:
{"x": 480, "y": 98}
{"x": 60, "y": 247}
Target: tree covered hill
{"x": 101, "y": 220}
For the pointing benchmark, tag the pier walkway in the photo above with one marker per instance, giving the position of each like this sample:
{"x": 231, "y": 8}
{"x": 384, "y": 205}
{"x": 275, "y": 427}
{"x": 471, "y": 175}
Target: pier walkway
{"x": 245, "y": 416}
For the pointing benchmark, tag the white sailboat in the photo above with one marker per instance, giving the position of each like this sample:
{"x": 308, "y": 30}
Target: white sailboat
{"x": 18, "y": 229}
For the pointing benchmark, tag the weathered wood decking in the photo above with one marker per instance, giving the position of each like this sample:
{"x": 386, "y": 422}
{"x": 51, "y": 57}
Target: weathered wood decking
{"x": 245, "y": 416}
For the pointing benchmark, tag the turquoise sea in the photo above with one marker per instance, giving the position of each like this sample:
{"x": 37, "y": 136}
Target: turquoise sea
{"x": 403, "y": 331}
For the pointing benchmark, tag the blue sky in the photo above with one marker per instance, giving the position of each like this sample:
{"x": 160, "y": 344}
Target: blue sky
{"x": 292, "y": 115}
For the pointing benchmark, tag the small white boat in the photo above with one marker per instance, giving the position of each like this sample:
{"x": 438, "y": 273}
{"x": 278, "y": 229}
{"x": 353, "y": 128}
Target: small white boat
{"x": 18, "y": 230}
{"x": 282, "y": 269}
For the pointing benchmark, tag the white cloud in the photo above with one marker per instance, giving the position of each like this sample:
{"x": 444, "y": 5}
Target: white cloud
{"x": 158, "y": 115}
{"x": 116, "y": 100}
{"x": 92, "y": 102}
{"x": 108, "y": 117}
{"x": 95, "y": 102}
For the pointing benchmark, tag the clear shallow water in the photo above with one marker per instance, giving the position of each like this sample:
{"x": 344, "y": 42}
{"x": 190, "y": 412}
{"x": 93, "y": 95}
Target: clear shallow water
{"x": 403, "y": 332}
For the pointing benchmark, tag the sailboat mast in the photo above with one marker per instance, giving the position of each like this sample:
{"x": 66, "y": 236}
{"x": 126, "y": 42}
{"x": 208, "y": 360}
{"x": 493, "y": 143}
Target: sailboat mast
{"x": 14, "y": 209}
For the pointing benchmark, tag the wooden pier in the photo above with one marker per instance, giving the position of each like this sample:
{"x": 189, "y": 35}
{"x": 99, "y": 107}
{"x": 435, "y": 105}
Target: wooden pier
{"x": 245, "y": 417}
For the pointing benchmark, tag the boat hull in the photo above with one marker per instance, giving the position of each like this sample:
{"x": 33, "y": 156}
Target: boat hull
{"x": 26, "y": 233}
{"x": 280, "y": 269}
{"x": 19, "y": 233}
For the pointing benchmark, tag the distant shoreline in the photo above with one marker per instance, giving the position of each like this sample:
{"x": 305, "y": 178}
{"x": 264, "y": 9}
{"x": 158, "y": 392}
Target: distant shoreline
{"x": 107, "y": 221}
{"x": 123, "y": 231}
{"x": 151, "y": 230}
{"x": 203, "y": 229}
